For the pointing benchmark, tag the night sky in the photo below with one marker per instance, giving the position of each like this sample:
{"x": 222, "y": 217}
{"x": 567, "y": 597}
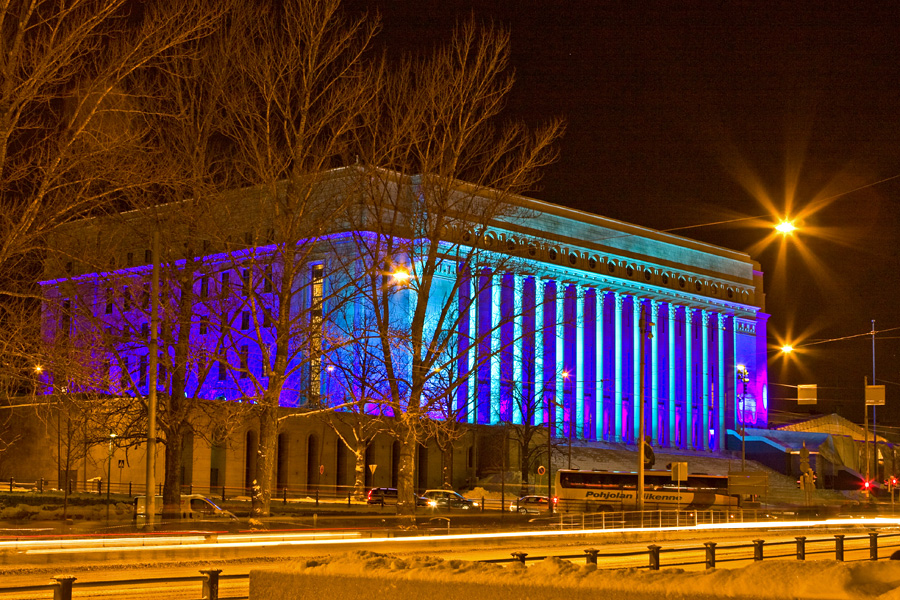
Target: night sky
{"x": 727, "y": 111}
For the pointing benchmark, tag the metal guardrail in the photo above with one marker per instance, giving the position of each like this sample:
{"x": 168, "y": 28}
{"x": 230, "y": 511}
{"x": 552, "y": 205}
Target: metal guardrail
{"x": 64, "y": 587}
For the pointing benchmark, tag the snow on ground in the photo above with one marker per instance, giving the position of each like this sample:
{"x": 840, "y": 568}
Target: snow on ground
{"x": 358, "y": 575}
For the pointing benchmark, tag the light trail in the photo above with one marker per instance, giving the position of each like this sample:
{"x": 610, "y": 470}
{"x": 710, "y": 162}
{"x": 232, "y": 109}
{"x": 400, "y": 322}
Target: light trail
{"x": 296, "y": 540}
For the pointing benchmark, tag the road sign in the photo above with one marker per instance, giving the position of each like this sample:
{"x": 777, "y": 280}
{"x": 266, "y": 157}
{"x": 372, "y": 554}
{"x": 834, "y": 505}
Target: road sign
{"x": 874, "y": 395}
{"x": 542, "y": 470}
{"x": 121, "y": 463}
{"x": 372, "y": 468}
{"x": 679, "y": 471}
{"x": 807, "y": 393}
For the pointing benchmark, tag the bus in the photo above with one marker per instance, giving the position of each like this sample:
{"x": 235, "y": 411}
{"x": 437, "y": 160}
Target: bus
{"x": 599, "y": 491}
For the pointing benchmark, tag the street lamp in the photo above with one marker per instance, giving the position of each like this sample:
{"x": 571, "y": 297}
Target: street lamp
{"x": 743, "y": 378}
{"x": 112, "y": 437}
{"x": 785, "y": 227}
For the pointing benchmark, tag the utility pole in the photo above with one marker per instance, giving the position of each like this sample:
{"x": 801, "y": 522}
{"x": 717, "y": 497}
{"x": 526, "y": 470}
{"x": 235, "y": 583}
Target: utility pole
{"x": 643, "y": 337}
{"x": 150, "y": 493}
{"x": 866, "y": 434}
{"x": 874, "y": 411}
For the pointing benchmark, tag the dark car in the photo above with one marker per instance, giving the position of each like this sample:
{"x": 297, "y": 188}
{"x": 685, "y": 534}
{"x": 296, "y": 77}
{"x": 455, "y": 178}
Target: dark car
{"x": 448, "y": 499}
{"x": 531, "y": 505}
{"x": 388, "y": 496}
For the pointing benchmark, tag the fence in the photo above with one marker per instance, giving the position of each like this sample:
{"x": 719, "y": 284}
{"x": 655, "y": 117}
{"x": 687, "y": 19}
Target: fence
{"x": 64, "y": 587}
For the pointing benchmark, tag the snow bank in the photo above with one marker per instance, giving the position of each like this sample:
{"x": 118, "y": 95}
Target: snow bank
{"x": 358, "y": 575}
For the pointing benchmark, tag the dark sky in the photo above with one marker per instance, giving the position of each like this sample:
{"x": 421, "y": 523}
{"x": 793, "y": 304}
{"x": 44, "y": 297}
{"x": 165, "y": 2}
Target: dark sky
{"x": 714, "y": 111}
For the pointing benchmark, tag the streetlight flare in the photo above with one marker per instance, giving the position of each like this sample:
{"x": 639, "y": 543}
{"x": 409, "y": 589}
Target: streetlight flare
{"x": 785, "y": 227}
{"x": 400, "y": 276}
{"x": 787, "y": 349}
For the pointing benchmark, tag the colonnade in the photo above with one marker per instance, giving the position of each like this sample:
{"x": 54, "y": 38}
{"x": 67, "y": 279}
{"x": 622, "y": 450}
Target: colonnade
{"x": 539, "y": 349}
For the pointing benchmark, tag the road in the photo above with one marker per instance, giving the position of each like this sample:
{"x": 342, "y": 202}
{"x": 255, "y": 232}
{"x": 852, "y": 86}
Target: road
{"x": 236, "y": 557}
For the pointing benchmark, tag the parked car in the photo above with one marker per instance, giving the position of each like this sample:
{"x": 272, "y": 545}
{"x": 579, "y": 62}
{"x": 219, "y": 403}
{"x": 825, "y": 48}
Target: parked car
{"x": 531, "y": 505}
{"x": 388, "y": 496}
{"x": 448, "y": 499}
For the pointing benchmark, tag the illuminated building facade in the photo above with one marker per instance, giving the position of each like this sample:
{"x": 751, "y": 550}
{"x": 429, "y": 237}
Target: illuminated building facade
{"x": 562, "y": 330}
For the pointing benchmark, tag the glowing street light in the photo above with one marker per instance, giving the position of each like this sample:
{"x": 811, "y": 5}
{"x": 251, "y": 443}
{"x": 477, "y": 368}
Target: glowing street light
{"x": 400, "y": 276}
{"x": 785, "y": 227}
{"x": 787, "y": 349}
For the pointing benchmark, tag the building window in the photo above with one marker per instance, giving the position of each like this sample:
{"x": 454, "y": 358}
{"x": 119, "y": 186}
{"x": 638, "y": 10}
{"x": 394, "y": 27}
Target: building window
{"x": 244, "y": 362}
{"x": 129, "y": 259}
{"x": 148, "y": 256}
{"x": 315, "y": 351}
{"x": 222, "y": 369}
{"x": 204, "y": 287}
{"x": 267, "y": 318}
{"x": 65, "y": 317}
{"x": 245, "y": 320}
{"x": 267, "y": 283}
{"x": 109, "y": 300}
{"x": 126, "y": 298}
{"x": 245, "y": 281}
{"x": 204, "y": 324}
{"x": 143, "y": 371}
{"x": 226, "y": 278}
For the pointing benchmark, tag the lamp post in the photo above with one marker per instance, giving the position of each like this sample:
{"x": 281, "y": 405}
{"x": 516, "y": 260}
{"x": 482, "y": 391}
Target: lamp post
{"x": 743, "y": 377}
{"x": 112, "y": 437}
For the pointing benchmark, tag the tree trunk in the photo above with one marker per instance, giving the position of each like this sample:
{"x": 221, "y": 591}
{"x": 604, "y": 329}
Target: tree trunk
{"x": 261, "y": 496}
{"x": 447, "y": 466}
{"x": 359, "y": 484}
{"x": 406, "y": 496}
{"x": 171, "y": 508}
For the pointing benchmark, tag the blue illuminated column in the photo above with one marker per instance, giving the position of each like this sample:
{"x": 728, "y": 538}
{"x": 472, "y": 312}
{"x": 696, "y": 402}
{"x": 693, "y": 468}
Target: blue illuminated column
{"x": 705, "y": 379}
{"x": 673, "y": 313}
{"x": 472, "y": 353}
{"x": 720, "y": 347}
{"x": 539, "y": 399}
{"x": 636, "y": 379}
{"x": 559, "y": 330}
{"x": 598, "y": 355}
{"x": 654, "y": 369}
{"x": 688, "y": 375}
{"x": 581, "y": 380}
{"x": 518, "y": 398}
{"x": 496, "y": 283}
{"x": 618, "y": 300}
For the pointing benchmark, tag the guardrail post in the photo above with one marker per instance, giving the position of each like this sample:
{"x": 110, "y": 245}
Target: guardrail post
{"x": 482, "y": 510}
{"x": 211, "y": 584}
{"x": 758, "y": 549}
{"x": 317, "y": 498}
{"x": 654, "y": 557}
{"x": 348, "y": 497}
{"x": 41, "y": 488}
{"x": 839, "y": 547}
{"x": 520, "y": 556}
{"x": 591, "y": 556}
{"x": 801, "y": 547}
{"x": 873, "y": 545}
{"x": 63, "y": 588}
{"x": 710, "y": 554}
{"x": 284, "y": 495}
{"x": 129, "y": 488}
{"x": 10, "y": 484}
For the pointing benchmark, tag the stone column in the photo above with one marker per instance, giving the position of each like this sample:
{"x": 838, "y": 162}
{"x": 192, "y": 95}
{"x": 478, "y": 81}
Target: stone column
{"x": 688, "y": 377}
{"x": 598, "y": 355}
{"x": 559, "y": 329}
{"x": 617, "y": 384}
{"x": 705, "y": 378}
{"x": 580, "y": 372}
{"x": 672, "y": 310}
{"x": 636, "y": 379}
{"x": 720, "y": 346}
{"x": 539, "y": 399}
{"x": 654, "y": 372}
{"x": 496, "y": 344}
{"x": 472, "y": 354}
{"x": 518, "y": 398}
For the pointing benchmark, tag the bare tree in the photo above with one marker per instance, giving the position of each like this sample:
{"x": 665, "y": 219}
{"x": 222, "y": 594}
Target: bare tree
{"x": 438, "y": 118}
{"x": 301, "y": 83}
